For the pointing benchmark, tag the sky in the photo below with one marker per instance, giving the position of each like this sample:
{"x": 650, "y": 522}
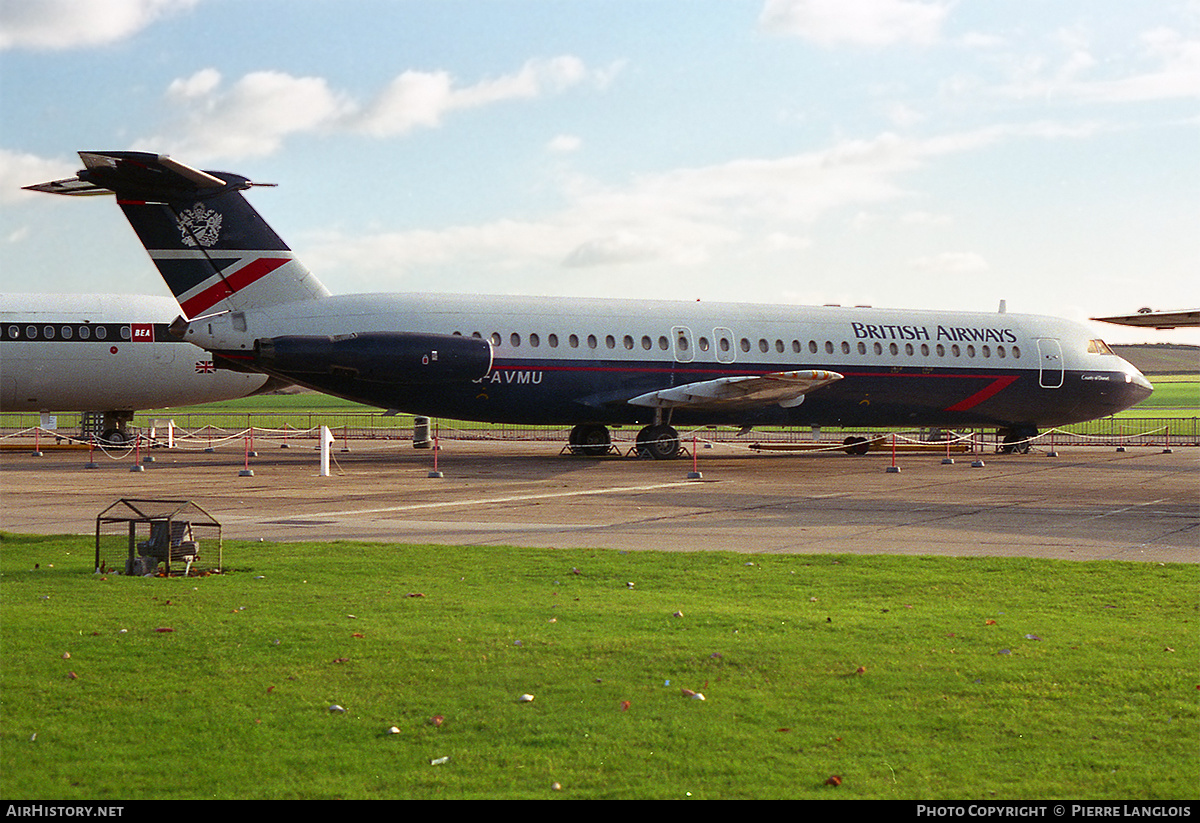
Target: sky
{"x": 944, "y": 154}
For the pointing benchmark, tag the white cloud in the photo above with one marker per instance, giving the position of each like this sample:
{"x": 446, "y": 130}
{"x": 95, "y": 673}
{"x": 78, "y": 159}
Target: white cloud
{"x": 19, "y": 169}
{"x": 685, "y": 217}
{"x": 68, "y": 24}
{"x": 856, "y": 22}
{"x": 564, "y": 144}
{"x": 249, "y": 119}
{"x": 1166, "y": 67}
{"x": 256, "y": 113}
{"x": 951, "y": 262}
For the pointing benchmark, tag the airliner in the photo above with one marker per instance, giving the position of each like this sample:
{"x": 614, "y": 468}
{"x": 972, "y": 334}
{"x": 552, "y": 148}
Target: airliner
{"x": 109, "y": 353}
{"x": 597, "y": 363}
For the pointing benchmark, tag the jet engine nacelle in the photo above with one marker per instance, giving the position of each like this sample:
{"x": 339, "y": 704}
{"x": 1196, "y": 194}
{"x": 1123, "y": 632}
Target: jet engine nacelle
{"x": 377, "y": 357}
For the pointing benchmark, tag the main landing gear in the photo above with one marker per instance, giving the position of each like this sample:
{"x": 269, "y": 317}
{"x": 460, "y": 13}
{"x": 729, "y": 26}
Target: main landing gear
{"x": 1017, "y": 440}
{"x": 658, "y": 441}
{"x": 589, "y": 439}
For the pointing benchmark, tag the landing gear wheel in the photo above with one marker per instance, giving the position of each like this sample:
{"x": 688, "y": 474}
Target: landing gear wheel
{"x": 856, "y": 445}
{"x": 115, "y": 437}
{"x": 659, "y": 441}
{"x": 1016, "y": 442}
{"x": 589, "y": 439}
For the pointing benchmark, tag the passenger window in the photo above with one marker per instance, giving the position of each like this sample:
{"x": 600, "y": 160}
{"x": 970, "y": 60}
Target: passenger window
{"x": 1016, "y": 351}
{"x": 954, "y": 350}
{"x": 862, "y": 348}
{"x": 745, "y": 344}
{"x": 592, "y": 342}
{"x": 970, "y": 351}
{"x": 553, "y": 341}
{"x": 796, "y": 347}
{"x": 845, "y": 347}
{"x": 893, "y": 349}
{"x": 514, "y": 339}
{"x": 627, "y": 342}
{"x": 1000, "y": 351}
{"x": 66, "y": 332}
{"x": 763, "y": 346}
{"x": 987, "y": 351}
{"x": 573, "y": 341}
{"x": 702, "y": 343}
{"x": 828, "y": 347}
{"x": 664, "y": 343}
{"x": 646, "y": 342}
{"x": 495, "y": 338}
{"x": 101, "y": 332}
{"x": 941, "y": 350}
{"x": 534, "y": 340}
{"x": 812, "y": 346}
{"x": 878, "y": 348}
{"x": 84, "y": 332}
{"x": 924, "y": 349}
{"x": 610, "y": 341}
{"x": 31, "y": 332}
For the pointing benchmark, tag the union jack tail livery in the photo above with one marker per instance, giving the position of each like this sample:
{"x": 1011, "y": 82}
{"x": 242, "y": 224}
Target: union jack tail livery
{"x": 212, "y": 248}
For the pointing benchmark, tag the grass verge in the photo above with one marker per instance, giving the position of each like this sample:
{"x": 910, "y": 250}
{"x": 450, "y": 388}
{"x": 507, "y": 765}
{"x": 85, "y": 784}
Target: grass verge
{"x": 915, "y": 678}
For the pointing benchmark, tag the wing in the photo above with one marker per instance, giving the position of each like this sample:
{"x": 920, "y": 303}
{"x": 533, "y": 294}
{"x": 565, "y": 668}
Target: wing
{"x": 1157, "y": 319}
{"x": 786, "y": 389}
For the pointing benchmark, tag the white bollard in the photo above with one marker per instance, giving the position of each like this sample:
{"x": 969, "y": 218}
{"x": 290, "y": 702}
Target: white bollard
{"x": 326, "y": 442}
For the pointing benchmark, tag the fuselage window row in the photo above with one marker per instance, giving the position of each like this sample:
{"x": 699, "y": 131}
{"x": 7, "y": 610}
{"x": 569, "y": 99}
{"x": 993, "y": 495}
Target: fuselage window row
{"x": 630, "y": 343}
{"x": 64, "y": 332}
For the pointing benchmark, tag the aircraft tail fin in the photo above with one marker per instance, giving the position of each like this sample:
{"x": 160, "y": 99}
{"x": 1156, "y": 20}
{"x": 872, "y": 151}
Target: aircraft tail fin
{"x": 212, "y": 248}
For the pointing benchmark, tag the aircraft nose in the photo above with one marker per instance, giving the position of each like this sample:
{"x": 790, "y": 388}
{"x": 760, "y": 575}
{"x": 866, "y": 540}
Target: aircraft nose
{"x": 1137, "y": 387}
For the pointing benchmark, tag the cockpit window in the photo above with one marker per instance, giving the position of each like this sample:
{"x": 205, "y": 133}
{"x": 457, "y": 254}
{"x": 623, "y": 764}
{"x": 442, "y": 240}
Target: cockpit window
{"x": 1098, "y": 347}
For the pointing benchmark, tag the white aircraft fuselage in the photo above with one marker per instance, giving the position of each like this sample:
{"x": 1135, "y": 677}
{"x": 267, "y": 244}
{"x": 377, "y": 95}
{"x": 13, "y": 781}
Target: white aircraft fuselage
{"x": 104, "y": 352}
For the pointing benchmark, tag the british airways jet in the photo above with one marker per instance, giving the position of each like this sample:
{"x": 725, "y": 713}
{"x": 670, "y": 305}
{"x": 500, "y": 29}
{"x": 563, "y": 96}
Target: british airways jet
{"x": 597, "y": 363}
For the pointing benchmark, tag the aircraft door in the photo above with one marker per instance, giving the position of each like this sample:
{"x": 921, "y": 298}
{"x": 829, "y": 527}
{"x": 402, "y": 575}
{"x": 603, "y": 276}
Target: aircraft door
{"x": 1050, "y": 363}
{"x": 723, "y": 339}
{"x": 682, "y": 344}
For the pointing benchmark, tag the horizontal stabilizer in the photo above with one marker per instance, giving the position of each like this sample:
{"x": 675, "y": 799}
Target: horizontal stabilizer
{"x": 127, "y": 172}
{"x": 785, "y": 389}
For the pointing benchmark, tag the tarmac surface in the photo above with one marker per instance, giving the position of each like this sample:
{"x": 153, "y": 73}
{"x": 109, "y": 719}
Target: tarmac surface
{"x": 1086, "y": 503}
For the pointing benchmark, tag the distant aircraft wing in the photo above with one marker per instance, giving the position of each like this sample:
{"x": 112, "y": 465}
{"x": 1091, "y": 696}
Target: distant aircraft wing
{"x": 1156, "y": 319}
{"x": 785, "y": 389}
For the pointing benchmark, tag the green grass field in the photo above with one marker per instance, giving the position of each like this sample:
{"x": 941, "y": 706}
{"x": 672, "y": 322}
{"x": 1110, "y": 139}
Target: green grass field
{"x": 907, "y": 677}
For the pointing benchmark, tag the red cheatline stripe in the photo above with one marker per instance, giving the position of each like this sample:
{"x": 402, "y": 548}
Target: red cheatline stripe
{"x": 235, "y": 282}
{"x": 997, "y": 385}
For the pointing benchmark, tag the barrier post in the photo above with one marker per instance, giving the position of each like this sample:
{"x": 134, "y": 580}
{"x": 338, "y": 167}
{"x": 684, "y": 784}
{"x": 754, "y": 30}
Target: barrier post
{"x": 91, "y": 464}
{"x": 326, "y": 442}
{"x": 694, "y": 474}
{"x": 893, "y": 469}
{"x": 137, "y": 455}
{"x": 1167, "y": 448}
{"x": 37, "y": 446}
{"x": 436, "y": 449}
{"x": 246, "y": 470}
{"x": 1052, "y": 452}
{"x": 947, "y": 460}
{"x": 977, "y": 463}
